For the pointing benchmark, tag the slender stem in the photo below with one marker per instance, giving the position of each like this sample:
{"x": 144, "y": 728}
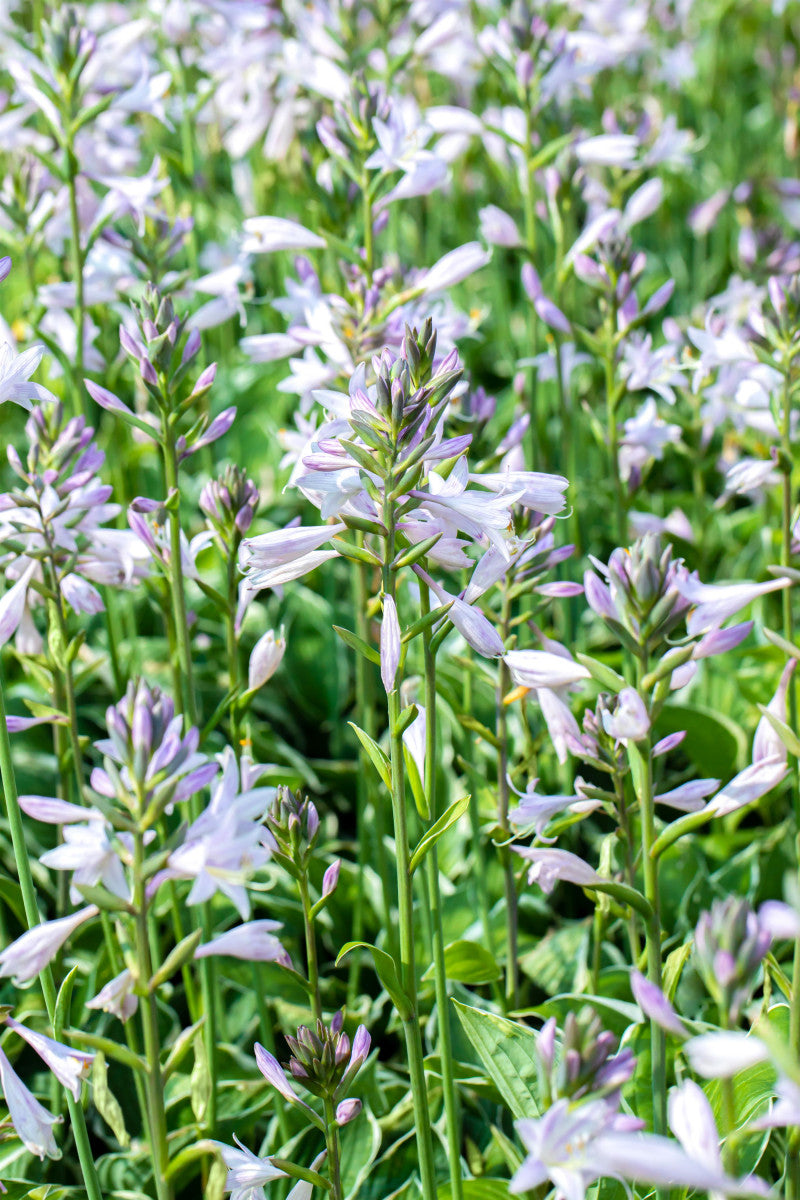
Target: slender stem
{"x": 408, "y": 967}
{"x": 642, "y": 763}
{"x": 78, "y": 261}
{"x": 787, "y": 464}
{"x": 509, "y": 881}
{"x": 32, "y": 917}
{"x": 157, "y": 1117}
{"x": 334, "y": 1156}
{"x": 611, "y": 423}
{"x": 630, "y": 869}
{"x": 538, "y": 418}
{"x": 176, "y": 576}
{"x": 311, "y": 946}
{"x": 369, "y": 245}
{"x": 232, "y": 643}
{"x": 370, "y": 814}
{"x": 451, "y": 1105}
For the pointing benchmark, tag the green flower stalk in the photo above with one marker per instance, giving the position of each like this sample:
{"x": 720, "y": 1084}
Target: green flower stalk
{"x": 32, "y": 917}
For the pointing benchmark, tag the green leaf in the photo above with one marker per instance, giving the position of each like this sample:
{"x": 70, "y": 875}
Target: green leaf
{"x": 11, "y": 894}
{"x": 358, "y": 644}
{"x": 789, "y": 738}
{"x": 714, "y": 743}
{"x": 106, "y": 1102}
{"x": 386, "y": 970}
{"x": 475, "y": 726}
{"x": 180, "y": 1048}
{"x": 551, "y": 963}
{"x": 617, "y": 1014}
{"x": 407, "y": 717}
{"x": 440, "y": 827}
{"x": 64, "y": 1004}
{"x": 416, "y": 784}
{"x": 508, "y": 1052}
{"x": 177, "y": 958}
{"x": 379, "y": 760}
{"x": 468, "y": 962}
{"x": 601, "y": 673}
{"x": 107, "y": 1046}
{"x": 477, "y": 1189}
{"x": 200, "y": 1082}
{"x": 361, "y": 1141}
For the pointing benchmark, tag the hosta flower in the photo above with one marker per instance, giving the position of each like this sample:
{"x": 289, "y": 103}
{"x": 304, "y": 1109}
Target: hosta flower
{"x": 247, "y": 1173}
{"x": 15, "y": 376}
{"x": 33, "y": 950}
{"x": 254, "y": 941}
{"x": 274, "y": 558}
{"x": 117, "y": 997}
{"x": 32, "y": 1122}
{"x": 226, "y": 845}
{"x": 69, "y": 1066}
{"x": 265, "y": 658}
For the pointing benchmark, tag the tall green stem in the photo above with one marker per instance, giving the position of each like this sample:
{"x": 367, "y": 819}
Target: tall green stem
{"x": 787, "y": 464}
{"x": 311, "y": 946}
{"x": 176, "y": 574}
{"x": 334, "y": 1155}
{"x": 612, "y": 434}
{"x": 157, "y": 1117}
{"x": 408, "y": 966}
{"x": 78, "y": 262}
{"x": 509, "y": 881}
{"x": 451, "y": 1105}
{"x": 32, "y": 917}
{"x": 642, "y": 765}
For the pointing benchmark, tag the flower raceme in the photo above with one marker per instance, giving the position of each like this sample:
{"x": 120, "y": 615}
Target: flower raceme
{"x": 56, "y": 525}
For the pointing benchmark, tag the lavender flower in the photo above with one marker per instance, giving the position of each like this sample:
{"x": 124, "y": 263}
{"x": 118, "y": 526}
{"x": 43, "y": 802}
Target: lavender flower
{"x": 150, "y": 764}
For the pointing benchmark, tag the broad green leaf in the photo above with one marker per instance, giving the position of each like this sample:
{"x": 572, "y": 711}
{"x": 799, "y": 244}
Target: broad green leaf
{"x": 478, "y": 1189}
{"x": 468, "y": 962}
{"x": 106, "y": 1102}
{"x": 508, "y": 1053}
{"x": 11, "y": 894}
{"x": 617, "y": 1014}
{"x": 714, "y": 743}
{"x": 361, "y": 1141}
{"x": 440, "y": 827}
{"x": 551, "y": 964}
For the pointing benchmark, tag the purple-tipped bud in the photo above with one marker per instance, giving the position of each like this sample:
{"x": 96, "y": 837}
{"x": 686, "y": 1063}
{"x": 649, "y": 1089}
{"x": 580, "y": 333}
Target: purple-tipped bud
{"x": 331, "y": 878}
{"x": 105, "y": 399}
{"x": 347, "y": 1111}
{"x": 655, "y": 1005}
{"x": 390, "y": 643}
{"x": 531, "y": 282}
{"x": 204, "y": 382}
{"x": 148, "y": 371}
{"x": 552, "y": 316}
{"x": 193, "y": 343}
